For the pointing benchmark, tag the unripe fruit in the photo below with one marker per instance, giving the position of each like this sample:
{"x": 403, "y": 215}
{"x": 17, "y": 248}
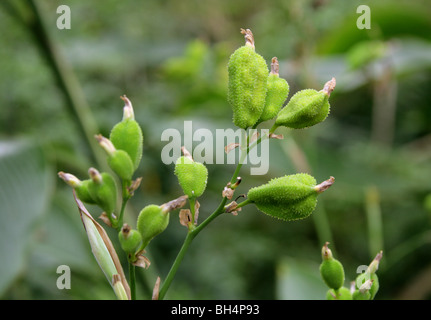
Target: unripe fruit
{"x": 152, "y": 220}
{"x": 370, "y": 276}
{"x": 247, "y": 83}
{"x": 331, "y": 270}
{"x": 290, "y": 197}
{"x": 363, "y": 292}
{"x": 341, "y": 294}
{"x": 306, "y": 108}
{"x": 118, "y": 160}
{"x": 103, "y": 189}
{"x": 121, "y": 164}
{"x": 358, "y": 295}
{"x": 80, "y": 186}
{"x": 129, "y": 238}
{"x": 363, "y": 277}
{"x": 82, "y": 192}
{"x": 127, "y": 135}
{"x": 276, "y": 95}
{"x": 192, "y": 176}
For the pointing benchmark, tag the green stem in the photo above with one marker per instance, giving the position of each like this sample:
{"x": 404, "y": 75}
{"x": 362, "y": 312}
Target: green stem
{"x": 188, "y": 240}
{"x": 244, "y": 203}
{"x": 192, "y": 233}
{"x": 132, "y": 279}
{"x": 78, "y": 106}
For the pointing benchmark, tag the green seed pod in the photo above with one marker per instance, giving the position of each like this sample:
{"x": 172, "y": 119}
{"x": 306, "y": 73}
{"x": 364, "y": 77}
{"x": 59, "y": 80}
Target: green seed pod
{"x": 127, "y": 134}
{"x": 129, "y": 238}
{"x": 83, "y": 193}
{"x": 363, "y": 277}
{"x": 341, "y": 294}
{"x": 370, "y": 274}
{"x": 276, "y": 95}
{"x": 103, "y": 189}
{"x": 152, "y": 220}
{"x": 331, "y": 270}
{"x": 192, "y": 176}
{"x": 306, "y": 108}
{"x": 121, "y": 164}
{"x": 118, "y": 160}
{"x": 358, "y": 295}
{"x": 247, "y": 83}
{"x": 80, "y": 186}
{"x": 290, "y": 197}
{"x": 363, "y": 292}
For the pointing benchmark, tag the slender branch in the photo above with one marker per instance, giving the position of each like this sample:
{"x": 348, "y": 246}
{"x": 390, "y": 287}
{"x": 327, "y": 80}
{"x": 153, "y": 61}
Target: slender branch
{"x": 132, "y": 280}
{"x": 192, "y": 233}
{"x": 66, "y": 79}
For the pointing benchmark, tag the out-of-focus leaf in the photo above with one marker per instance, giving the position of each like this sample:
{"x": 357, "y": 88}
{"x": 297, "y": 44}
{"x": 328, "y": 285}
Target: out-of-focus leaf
{"x": 25, "y": 188}
{"x": 299, "y": 280}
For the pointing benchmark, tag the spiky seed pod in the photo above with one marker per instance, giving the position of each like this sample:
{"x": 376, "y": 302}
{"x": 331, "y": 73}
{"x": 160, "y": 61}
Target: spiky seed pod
{"x": 277, "y": 92}
{"x": 103, "y": 189}
{"x": 306, "y": 108}
{"x": 192, "y": 176}
{"x": 247, "y": 83}
{"x": 129, "y": 238}
{"x": 331, "y": 270}
{"x": 288, "y": 198}
{"x": 152, "y": 220}
{"x": 127, "y": 134}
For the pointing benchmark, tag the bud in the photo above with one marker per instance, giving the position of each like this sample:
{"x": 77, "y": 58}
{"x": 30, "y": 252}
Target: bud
{"x": 331, "y": 270}
{"x": 118, "y": 160}
{"x": 276, "y": 95}
{"x": 247, "y": 83}
{"x": 127, "y": 134}
{"x": 370, "y": 274}
{"x": 103, "y": 189}
{"x": 306, "y": 108}
{"x": 288, "y": 198}
{"x": 152, "y": 220}
{"x": 192, "y": 176}
{"x": 129, "y": 238}
{"x": 341, "y": 294}
{"x": 363, "y": 292}
{"x": 80, "y": 187}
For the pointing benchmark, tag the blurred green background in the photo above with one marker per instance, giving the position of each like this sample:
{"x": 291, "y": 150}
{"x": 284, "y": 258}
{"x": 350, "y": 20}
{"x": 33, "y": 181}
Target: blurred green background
{"x": 60, "y": 87}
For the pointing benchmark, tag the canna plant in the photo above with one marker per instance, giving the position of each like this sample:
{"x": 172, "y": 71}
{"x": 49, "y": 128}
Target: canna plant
{"x": 256, "y": 95}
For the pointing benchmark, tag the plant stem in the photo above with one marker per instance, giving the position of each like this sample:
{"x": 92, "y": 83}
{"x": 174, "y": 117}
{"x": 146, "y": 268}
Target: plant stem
{"x": 132, "y": 279}
{"x": 67, "y": 81}
{"x": 192, "y": 233}
{"x": 188, "y": 240}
